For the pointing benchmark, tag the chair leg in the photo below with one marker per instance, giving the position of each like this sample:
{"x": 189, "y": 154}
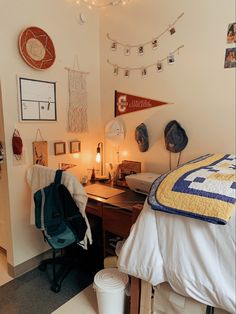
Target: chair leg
{"x": 60, "y": 275}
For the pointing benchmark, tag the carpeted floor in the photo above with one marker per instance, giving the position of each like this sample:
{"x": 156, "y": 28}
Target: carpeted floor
{"x": 31, "y": 293}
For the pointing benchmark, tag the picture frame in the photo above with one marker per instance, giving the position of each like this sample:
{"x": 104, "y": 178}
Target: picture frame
{"x": 127, "y": 73}
{"x": 159, "y": 67}
{"x": 172, "y": 31}
{"x": 154, "y": 44}
{"x": 231, "y": 33}
{"x": 40, "y": 153}
{"x": 171, "y": 59}
{"x": 115, "y": 70}
{"x": 141, "y": 50}
{"x": 230, "y": 58}
{"x": 59, "y": 148}
{"x": 75, "y": 147}
{"x": 144, "y": 72}
{"x": 114, "y": 46}
{"x": 127, "y": 51}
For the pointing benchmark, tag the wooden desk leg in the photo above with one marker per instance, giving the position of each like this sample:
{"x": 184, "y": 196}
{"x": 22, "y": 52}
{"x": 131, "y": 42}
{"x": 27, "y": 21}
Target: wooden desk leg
{"x": 135, "y": 295}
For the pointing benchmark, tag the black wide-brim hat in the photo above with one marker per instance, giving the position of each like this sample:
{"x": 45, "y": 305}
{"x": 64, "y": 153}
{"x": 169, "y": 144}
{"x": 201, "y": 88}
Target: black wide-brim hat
{"x": 175, "y": 137}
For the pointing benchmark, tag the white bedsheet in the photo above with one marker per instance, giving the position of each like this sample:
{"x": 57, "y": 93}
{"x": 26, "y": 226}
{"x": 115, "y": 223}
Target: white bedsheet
{"x": 196, "y": 258}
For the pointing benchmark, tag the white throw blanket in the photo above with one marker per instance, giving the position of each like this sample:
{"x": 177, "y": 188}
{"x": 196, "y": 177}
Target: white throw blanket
{"x": 39, "y": 177}
{"x": 196, "y": 258}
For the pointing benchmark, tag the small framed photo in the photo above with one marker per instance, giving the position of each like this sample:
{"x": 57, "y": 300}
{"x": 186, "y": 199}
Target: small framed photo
{"x": 231, "y": 33}
{"x": 75, "y": 147}
{"x": 59, "y": 148}
{"x": 127, "y": 51}
{"x": 171, "y": 59}
{"x": 114, "y": 46}
{"x": 154, "y": 44}
{"x": 144, "y": 72}
{"x": 230, "y": 58}
{"x": 172, "y": 30}
{"x": 116, "y": 70}
{"x": 127, "y": 73}
{"x": 159, "y": 66}
{"x": 140, "y": 50}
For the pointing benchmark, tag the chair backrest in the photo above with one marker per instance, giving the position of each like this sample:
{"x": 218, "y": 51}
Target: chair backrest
{"x": 57, "y": 215}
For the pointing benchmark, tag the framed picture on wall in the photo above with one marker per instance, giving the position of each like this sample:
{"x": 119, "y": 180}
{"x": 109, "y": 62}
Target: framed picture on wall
{"x": 230, "y": 58}
{"x": 40, "y": 153}
{"x": 75, "y": 147}
{"x": 231, "y": 33}
{"x": 59, "y": 148}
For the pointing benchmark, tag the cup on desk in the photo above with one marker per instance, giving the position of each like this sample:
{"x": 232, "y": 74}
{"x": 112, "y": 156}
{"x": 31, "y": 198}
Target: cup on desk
{"x": 84, "y": 180}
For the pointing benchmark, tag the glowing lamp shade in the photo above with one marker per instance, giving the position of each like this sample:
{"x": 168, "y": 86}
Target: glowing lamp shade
{"x": 99, "y": 156}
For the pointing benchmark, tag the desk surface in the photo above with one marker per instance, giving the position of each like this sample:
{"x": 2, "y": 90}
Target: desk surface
{"x": 124, "y": 200}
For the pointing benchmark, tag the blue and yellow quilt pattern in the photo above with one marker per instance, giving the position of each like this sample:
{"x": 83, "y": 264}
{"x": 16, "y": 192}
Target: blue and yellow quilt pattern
{"x": 204, "y": 188}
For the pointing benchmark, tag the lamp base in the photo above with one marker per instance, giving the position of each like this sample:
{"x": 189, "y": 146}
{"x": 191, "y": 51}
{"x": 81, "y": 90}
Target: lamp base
{"x": 102, "y": 178}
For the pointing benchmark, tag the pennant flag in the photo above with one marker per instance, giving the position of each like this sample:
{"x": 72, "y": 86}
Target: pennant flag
{"x": 64, "y": 166}
{"x": 125, "y": 103}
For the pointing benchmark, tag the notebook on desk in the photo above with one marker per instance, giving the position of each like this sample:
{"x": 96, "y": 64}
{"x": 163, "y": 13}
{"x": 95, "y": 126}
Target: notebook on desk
{"x": 102, "y": 191}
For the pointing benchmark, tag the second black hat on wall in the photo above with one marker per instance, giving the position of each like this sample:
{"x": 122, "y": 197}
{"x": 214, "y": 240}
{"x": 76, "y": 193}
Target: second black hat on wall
{"x": 176, "y": 138}
{"x": 141, "y": 136}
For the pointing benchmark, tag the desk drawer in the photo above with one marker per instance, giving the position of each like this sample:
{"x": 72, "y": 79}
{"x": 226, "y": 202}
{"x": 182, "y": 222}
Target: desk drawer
{"x": 117, "y": 221}
{"x": 94, "y": 208}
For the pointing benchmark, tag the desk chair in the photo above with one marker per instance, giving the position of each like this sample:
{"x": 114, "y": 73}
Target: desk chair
{"x": 62, "y": 225}
{"x": 59, "y": 244}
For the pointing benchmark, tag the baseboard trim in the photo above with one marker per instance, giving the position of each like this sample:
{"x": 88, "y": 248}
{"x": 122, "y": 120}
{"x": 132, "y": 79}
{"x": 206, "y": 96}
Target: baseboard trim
{"x": 28, "y": 265}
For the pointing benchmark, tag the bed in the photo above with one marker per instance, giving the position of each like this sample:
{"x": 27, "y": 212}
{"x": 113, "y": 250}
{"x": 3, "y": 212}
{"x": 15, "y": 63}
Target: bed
{"x": 194, "y": 253}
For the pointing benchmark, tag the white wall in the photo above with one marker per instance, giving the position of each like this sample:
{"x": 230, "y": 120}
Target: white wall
{"x": 200, "y": 90}
{"x": 58, "y": 19}
{"x": 5, "y": 234}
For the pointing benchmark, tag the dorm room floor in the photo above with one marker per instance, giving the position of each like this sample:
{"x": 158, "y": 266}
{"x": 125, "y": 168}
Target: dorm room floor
{"x": 31, "y": 294}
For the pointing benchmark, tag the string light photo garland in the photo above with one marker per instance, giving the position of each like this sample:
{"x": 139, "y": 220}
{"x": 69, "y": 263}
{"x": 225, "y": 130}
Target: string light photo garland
{"x": 140, "y": 47}
{"x": 144, "y": 69}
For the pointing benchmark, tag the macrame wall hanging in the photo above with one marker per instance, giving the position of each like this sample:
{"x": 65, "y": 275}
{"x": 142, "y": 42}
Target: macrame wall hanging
{"x": 77, "y": 114}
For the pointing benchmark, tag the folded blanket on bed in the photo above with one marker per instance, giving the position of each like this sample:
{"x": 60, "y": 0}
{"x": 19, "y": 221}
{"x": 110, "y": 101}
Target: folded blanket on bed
{"x": 204, "y": 188}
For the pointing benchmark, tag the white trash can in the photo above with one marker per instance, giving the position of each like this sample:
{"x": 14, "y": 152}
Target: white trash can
{"x": 110, "y": 287}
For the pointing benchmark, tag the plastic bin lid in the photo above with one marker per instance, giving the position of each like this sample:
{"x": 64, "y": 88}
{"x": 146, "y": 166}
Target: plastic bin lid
{"x": 111, "y": 280}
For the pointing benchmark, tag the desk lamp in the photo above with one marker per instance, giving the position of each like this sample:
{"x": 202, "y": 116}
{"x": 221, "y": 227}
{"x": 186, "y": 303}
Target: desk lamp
{"x": 99, "y": 156}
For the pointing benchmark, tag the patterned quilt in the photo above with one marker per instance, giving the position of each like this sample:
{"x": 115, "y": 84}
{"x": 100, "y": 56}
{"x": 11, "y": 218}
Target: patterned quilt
{"x": 204, "y": 188}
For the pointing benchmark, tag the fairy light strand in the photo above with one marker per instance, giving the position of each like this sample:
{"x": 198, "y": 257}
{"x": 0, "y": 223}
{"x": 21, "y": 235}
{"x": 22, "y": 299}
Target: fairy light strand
{"x": 150, "y": 41}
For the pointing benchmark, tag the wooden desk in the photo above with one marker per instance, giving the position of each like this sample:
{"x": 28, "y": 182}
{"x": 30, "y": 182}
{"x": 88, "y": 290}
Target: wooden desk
{"x": 118, "y": 213}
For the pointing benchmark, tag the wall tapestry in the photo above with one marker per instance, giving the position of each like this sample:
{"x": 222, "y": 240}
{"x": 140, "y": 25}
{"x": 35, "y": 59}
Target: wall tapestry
{"x": 77, "y": 114}
{"x": 125, "y": 103}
